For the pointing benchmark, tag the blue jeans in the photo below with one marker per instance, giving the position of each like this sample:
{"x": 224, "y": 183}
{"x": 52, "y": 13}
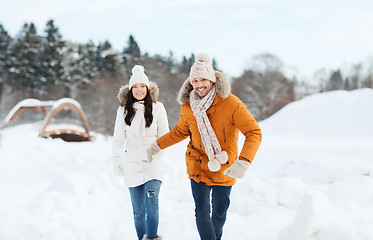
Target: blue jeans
{"x": 210, "y": 227}
{"x": 145, "y": 206}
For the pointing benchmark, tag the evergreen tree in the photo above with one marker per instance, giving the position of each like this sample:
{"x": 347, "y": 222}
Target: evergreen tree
{"x": 133, "y": 48}
{"x": 53, "y": 70}
{"x": 5, "y": 45}
{"x": 107, "y": 58}
{"x": 71, "y": 63}
{"x": 27, "y": 70}
{"x": 88, "y": 60}
{"x": 335, "y": 81}
{"x": 80, "y": 64}
{"x": 182, "y": 68}
{"x": 356, "y": 77}
{"x": 347, "y": 84}
{"x": 191, "y": 61}
{"x": 214, "y": 64}
{"x": 170, "y": 61}
{"x": 186, "y": 64}
{"x": 17, "y": 71}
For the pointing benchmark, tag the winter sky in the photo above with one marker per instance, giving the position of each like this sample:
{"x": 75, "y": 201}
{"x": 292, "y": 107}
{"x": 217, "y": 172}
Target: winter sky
{"x": 305, "y": 35}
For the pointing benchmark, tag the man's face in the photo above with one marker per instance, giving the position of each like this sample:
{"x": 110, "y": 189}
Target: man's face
{"x": 201, "y": 86}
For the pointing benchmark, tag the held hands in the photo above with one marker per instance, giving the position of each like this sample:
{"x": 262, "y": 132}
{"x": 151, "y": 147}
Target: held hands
{"x": 118, "y": 166}
{"x": 152, "y": 150}
{"x": 238, "y": 169}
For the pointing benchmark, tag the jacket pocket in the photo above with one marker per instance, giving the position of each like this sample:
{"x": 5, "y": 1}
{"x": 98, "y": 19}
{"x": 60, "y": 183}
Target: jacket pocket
{"x": 193, "y": 162}
{"x": 224, "y": 134}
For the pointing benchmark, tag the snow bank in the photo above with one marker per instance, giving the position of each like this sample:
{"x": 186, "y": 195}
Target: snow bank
{"x": 333, "y": 114}
{"x": 302, "y": 185}
{"x": 316, "y": 218}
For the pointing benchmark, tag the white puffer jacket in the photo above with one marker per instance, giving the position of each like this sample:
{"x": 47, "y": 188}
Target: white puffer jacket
{"x": 132, "y": 150}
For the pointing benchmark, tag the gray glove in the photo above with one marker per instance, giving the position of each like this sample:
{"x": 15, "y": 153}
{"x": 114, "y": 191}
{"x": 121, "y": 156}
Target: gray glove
{"x": 238, "y": 169}
{"x": 152, "y": 150}
{"x": 118, "y": 166}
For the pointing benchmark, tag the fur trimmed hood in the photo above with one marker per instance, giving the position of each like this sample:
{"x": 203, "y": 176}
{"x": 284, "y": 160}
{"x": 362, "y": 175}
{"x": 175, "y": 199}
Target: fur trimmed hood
{"x": 124, "y": 90}
{"x": 222, "y": 86}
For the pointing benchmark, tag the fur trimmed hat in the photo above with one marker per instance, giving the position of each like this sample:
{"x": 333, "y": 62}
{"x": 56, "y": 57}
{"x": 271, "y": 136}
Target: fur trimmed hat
{"x": 138, "y": 76}
{"x": 202, "y": 68}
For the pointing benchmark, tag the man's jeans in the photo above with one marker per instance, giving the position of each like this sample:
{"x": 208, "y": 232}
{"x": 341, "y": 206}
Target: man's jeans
{"x": 210, "y": 227}
{"x": 145, "y": 208}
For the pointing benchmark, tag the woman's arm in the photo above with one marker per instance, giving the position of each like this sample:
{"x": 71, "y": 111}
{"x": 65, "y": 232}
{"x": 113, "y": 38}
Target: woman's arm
{"x": 119, "y": 135}
{"x": 162, "y": 121}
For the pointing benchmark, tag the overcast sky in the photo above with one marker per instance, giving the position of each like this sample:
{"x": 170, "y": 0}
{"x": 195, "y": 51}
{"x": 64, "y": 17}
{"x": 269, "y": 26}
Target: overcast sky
{"x": 305, "y": 34}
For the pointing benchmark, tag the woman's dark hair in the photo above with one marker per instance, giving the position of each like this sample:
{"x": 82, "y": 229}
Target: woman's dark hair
{"x": 129, "y": 111}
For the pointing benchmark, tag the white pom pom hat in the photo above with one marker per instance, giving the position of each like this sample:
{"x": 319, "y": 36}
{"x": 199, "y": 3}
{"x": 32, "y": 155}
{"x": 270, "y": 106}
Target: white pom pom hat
{"x": 202, "y": 68}
{"x": 138, "y": 76}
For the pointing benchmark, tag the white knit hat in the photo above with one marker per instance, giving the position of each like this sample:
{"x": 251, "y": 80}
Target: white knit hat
{"x": 202, "y": 68}
{"x": 138, "y": 76}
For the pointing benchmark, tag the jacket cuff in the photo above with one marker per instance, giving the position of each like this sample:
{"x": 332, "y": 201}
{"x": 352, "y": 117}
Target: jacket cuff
{"x": 245, "y": 159}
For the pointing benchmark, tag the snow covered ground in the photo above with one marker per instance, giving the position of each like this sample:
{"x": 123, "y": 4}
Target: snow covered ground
{"x": 312, "y": 179}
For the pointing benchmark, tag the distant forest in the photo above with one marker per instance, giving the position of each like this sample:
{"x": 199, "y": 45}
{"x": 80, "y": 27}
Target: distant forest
{"x": 48, "y": 67}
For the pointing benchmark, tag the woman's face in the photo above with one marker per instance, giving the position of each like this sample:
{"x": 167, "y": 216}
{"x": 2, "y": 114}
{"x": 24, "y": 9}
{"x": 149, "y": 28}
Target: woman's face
{"x": 139, "y": 91}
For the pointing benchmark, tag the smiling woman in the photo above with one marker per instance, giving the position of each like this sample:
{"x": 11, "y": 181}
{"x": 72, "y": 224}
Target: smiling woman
{"x": 139, "y": 91}
{"x": 140, "y": 120}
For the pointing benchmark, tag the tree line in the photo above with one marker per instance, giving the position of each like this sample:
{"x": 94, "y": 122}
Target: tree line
{"x": 36, "y": 62}
{"x": 46, "y": 66}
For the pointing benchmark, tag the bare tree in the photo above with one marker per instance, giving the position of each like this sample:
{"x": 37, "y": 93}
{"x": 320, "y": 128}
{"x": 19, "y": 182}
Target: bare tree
{"x": 265, "y": 62}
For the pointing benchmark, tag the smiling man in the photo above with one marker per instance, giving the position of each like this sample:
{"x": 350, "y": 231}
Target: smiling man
{"x": 211, "y": 116}
{"x": 202, "y": 86}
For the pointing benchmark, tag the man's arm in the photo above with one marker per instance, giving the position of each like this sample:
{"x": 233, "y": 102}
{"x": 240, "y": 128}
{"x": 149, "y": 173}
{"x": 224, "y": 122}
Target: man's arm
{"x": 246, "y": 123}
{"x": 177, "y": 134}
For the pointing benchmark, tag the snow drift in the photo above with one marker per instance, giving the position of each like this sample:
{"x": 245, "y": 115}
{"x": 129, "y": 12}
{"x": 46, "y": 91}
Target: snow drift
{"x": 312, "y": 179}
